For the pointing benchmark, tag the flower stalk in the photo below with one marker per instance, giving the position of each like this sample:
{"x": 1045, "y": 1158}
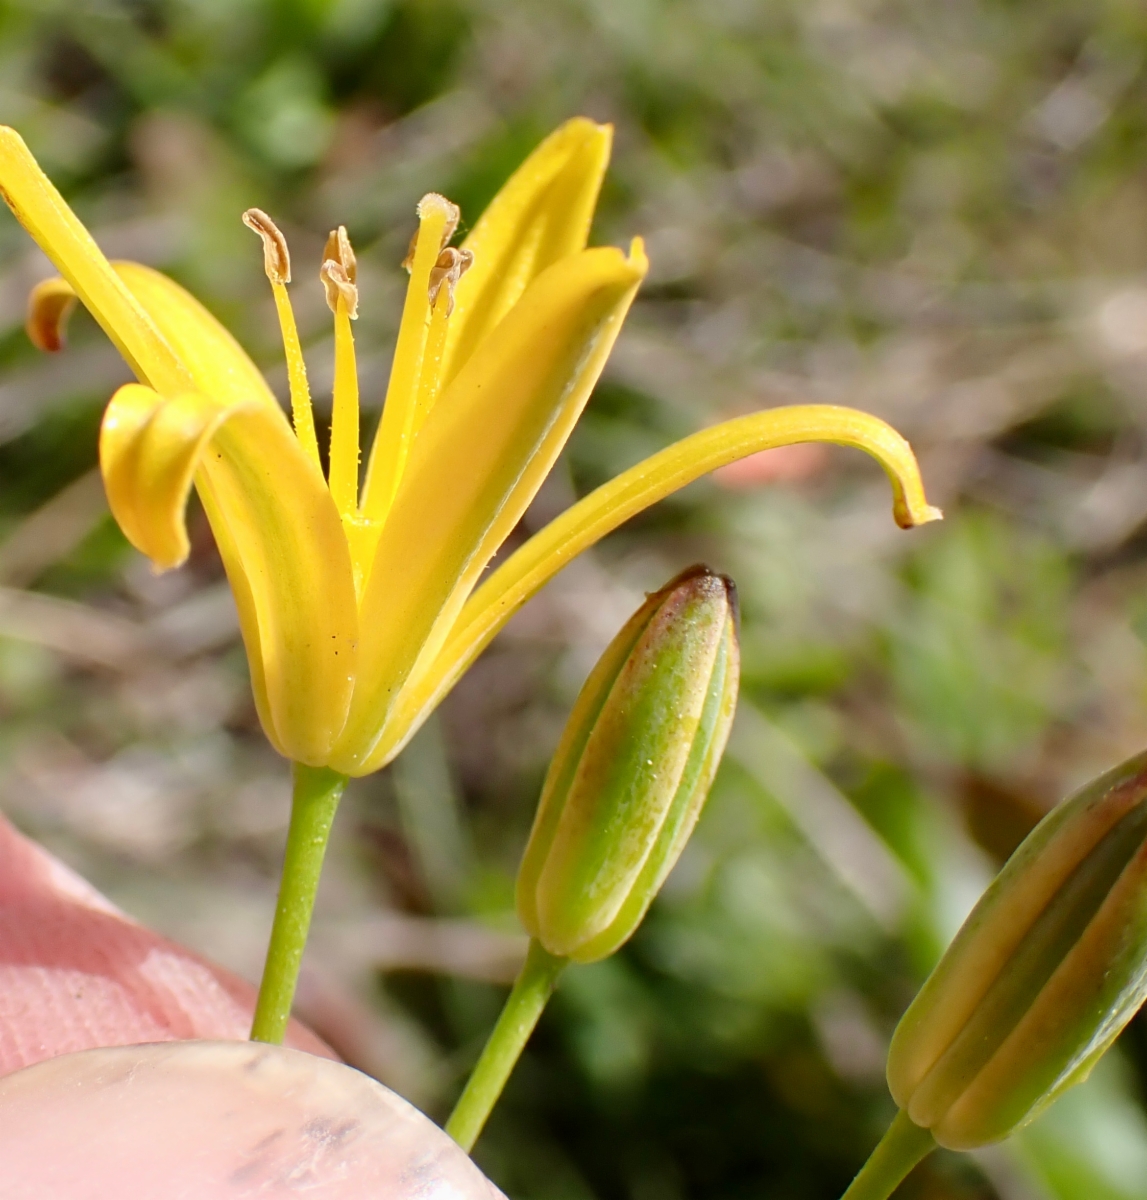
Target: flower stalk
{"x": 527, "y": 1001}
{"x": 316, "y": 799}
{"x": 903, "y": 1145}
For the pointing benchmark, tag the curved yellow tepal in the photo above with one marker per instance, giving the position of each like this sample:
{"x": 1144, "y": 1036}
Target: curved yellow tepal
{"x": 282, "y": 542}
{"x": 213, "y": 361}
{"x": 541, "y": 214}
{"x": 278, "y": 531}
{"x": 149, "y": 450}
{"x": 40, "y": 208}
{"x": 612, "y": 504}
{"x": 50, "y": 304}
{"x": 217, "y": 363}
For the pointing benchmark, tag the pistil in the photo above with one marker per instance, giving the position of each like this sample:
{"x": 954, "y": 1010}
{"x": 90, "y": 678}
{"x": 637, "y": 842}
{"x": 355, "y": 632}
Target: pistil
{"x": 277, "y": 264}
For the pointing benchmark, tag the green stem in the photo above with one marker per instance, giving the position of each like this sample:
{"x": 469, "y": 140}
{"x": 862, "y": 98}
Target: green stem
{"x": 532, "y": 988}
{"x": 897, "y": 1152}
{"x": 317, "y": 794}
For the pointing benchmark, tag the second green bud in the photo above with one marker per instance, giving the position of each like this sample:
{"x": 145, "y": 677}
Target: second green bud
{"x": 632, "y": 770}
{"x": 1048, "y": 968}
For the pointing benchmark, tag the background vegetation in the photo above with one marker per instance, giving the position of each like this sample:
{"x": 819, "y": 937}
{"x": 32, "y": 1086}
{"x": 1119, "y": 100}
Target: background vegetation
{"x": 936, "y": 211}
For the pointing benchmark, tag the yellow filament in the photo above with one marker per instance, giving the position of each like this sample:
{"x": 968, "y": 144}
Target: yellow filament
{"x": 301, "y": 414}
{"x": 396, "y": 429}
{"x": 344, "y": 418}
{"x": 430, "y": 377}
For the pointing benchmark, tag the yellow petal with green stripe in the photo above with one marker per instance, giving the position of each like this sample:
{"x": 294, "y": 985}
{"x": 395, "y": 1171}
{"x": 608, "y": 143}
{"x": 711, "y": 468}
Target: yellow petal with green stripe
{"x": 541, "y": 214}
{"x": 482, "y": 454}
{"x": 603, "y": 510}
{"x": 40, "y": 208}
{"x": 279, "y": 532}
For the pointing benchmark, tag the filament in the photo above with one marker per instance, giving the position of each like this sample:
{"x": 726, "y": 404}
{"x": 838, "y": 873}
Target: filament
{"x": 277, "y": 264}
{"x": 339, "y": 273}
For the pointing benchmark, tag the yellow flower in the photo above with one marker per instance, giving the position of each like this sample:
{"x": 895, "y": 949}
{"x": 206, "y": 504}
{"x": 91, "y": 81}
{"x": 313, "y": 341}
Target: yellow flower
{"x": 359, "y": 606}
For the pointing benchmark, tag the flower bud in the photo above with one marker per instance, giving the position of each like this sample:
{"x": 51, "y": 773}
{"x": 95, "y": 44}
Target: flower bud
{"x": 1047, "y": 969}
{"x": 632, "y": 769}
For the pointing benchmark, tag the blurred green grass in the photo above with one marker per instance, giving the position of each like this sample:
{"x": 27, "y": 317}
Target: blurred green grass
{"x": 933, "y": 211}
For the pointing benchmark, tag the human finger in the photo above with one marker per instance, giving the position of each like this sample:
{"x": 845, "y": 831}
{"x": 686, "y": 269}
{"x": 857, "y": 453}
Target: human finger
{"x": 76, "y": 973}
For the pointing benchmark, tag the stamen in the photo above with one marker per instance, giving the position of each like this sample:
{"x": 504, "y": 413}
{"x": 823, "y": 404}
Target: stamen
{"x": 451, "y": 266}
{"x": 277, "y": 264}
{"x": 338, "y": 274}
{"x": 438, "y": 219}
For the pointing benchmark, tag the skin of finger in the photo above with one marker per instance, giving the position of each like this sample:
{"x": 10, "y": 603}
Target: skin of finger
{"x": 76, "y": 973}
{"x": 220, "y": 1121}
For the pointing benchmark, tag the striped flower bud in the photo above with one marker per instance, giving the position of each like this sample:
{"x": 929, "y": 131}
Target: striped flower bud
{"x": 1047, "y": 969}
{"x": 632, "y": 769}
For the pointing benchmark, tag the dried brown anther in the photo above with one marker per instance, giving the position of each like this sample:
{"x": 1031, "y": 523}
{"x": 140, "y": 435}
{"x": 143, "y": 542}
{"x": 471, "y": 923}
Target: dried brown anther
{"x": 452, "y": 264}
{"x": 339, "y": 272}
{"x": 276, "y": 258}
{"x": 337, "y": 285}
{"x": 338, "y": 249}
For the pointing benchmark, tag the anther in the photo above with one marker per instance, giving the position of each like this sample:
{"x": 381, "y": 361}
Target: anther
{"x": 276, "y": 258}
{"x": 338, "y": 249}
{"x": 337, "y": 284}
{"x": 452, "y": 264}
{"x": 339, "y": 272}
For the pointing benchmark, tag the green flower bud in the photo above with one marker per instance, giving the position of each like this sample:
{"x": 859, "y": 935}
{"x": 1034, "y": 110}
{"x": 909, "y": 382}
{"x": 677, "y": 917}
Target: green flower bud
{"x": 1047, "y": 969}
{"x": 632, "y": 769}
